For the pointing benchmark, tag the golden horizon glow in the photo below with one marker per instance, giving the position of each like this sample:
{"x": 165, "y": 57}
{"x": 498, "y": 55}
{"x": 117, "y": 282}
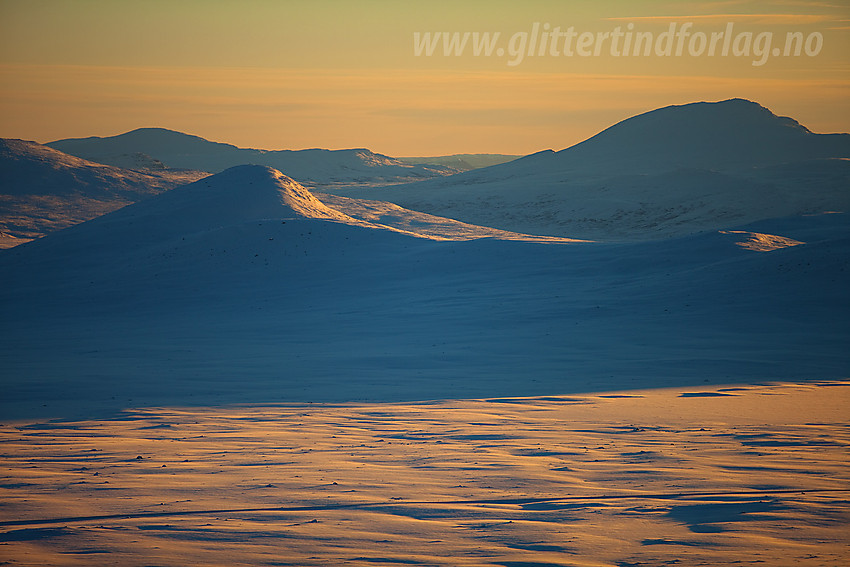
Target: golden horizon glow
{"x": 292, "y": 75}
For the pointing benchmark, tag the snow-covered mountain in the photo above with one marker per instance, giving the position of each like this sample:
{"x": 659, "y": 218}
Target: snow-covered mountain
{"x": 241, "y": 287}
{"x": 312, "y": 166}
{"x": 724, "y": 136}
{"x": 672, "y": 171}
{"x": 29, "y": 168}
{"x": 461, "y": 162}
{"x": 42, "y": 189}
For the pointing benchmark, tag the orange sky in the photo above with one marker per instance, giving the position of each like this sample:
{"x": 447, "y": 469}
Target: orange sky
{"x": 335, "y": 74}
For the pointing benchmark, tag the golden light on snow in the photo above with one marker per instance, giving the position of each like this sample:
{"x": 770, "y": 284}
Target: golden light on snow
{"x": 509, "y": 366}
{"x": 700, "y": 475}
{"x": 760, "y": 242}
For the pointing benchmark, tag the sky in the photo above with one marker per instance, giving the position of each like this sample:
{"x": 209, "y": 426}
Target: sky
{"x": 342, "y": 74}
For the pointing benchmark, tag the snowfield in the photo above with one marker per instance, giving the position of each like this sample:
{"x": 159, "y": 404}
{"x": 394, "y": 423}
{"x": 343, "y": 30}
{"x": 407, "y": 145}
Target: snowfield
{"x": 240, "y": 371}
{"x": 247, "y": 284}
{"x": 752, "y": 475}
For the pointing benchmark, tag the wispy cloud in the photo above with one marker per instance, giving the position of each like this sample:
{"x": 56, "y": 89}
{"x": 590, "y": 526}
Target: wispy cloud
{"x": 710, "y": 6}
{"x": 403, "y": 112}
{"x": 808, "y": 4}
{"x": 722, "y": 4}
{"x": 766, "y": 19}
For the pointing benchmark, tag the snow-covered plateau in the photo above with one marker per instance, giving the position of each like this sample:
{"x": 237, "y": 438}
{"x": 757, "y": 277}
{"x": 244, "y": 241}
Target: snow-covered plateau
{"x": 643, "y": 359}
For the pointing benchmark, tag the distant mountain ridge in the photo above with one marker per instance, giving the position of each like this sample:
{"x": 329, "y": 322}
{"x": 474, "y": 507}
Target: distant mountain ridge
{"x": 29, "y": 168}
{"x": 678, "y": 169}
{"x": 43, "y": 189}
{"x": 311, "y": 166}
{"x": 719, "y": 136}
{"x": 668, "y": 172}
{"x": 462, "y": 162}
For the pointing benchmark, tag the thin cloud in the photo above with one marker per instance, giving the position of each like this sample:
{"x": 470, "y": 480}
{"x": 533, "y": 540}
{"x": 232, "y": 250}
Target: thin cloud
{"x": 807, "y": 4}
{"x": 768, "y": 19}
{"x": 709, "y": 6}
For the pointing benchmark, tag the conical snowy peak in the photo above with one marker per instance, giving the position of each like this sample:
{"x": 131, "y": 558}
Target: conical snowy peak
{"x": 233, "y": 197}
{"x": 247, "y": 192}
{"x": 238, "y": 194}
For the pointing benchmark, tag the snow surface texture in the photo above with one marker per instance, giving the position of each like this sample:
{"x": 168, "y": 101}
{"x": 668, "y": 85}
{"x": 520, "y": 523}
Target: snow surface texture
{"x": 753, "y": 475}
{"x": 313, "y": 166}
{"x": 242, "y": 287}
{"x": 669, "y": 172}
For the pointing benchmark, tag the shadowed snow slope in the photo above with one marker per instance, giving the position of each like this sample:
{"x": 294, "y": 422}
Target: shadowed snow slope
{"x": 669, "y": 172}
{"x": 719, "y": 136}
{"x": 241, "y": 288}
{"x": 314, "y": 166}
